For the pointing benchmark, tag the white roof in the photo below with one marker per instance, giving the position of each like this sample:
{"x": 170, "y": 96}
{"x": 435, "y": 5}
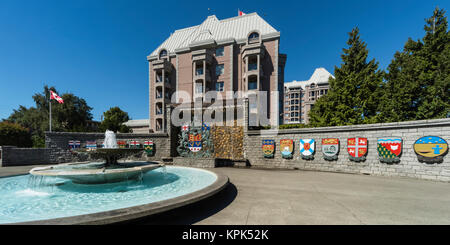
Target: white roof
{"x": 137, "y": 123}
{"x": 219, "y": 31}
{"x": 320, "y": 75}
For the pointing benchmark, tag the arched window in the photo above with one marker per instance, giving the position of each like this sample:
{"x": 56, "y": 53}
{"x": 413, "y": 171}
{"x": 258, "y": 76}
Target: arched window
{"x": 163, "y": 54}
{"x": 253, "y": 37}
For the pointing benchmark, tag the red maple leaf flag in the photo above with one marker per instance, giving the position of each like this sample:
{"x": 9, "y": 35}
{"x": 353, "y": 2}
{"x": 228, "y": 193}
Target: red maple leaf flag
{"x": 240, "y": 13}
{"x": 53, "y": 95}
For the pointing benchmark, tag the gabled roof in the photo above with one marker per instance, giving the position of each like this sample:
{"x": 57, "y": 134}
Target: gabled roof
{"x": 218, "y": 31}
{"x": 320, "y": 75}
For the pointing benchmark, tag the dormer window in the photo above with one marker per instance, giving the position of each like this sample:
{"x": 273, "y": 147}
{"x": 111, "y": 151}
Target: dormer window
{"x": 163, "y": 54}
{"x": 253, "y": 37}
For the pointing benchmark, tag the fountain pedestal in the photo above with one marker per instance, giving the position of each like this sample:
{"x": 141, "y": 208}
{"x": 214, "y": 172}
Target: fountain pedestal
{"x": 98, "y": 173}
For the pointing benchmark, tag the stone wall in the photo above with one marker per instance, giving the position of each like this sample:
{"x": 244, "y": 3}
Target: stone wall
{"x": 12, "y": 156}
{"x": 59, "y": 142}
{"x": 409, "y": 166}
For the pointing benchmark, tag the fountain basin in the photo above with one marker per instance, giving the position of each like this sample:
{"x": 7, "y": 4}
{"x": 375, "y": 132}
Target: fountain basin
{"x": 68, "y": 203}
{"x": 97, "y": 173}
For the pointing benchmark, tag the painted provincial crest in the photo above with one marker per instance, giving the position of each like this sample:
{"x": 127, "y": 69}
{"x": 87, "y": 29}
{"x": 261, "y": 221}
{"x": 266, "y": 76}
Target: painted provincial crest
{"x": 330, "y": 148}
{"x": 268, "y": 148}
{"x": 357, "y": 149}
{"x": 389, "y": 149}
{"x": 122, "y": 144}
{"x": 286, "y": 148}
{"x": 307, "y": 148}
{"x": 134, "y": 144}
{"x": 91, "y": 145}
{"x": 149, "y": 147}
{"x": 430, "y": 149}
{"x": 74, "y": 144}
{"x": 195, "y": 142}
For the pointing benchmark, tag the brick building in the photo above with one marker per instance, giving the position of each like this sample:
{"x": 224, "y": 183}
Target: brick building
{"x": 300, "y": 96}
{"x": 234, "y": 54}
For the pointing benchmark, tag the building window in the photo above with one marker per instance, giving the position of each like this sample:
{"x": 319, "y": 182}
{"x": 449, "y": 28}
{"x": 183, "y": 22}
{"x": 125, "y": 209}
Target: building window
{"x": 199, "y": 88}
{"x": 220, "y": 51}
{"x": 219, "y": 86}
{"x": 252, "y": 85}
{"x": 287, "y": 103}
{"x": 219, "y": 69}
{"x": 163, "y": 54}
{"x": 199, "y": 70}
{"x": 254, "y": 37}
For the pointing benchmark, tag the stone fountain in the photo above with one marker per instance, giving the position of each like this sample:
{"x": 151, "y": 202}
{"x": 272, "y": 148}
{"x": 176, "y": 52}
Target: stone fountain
{"x": 101, "y": 172}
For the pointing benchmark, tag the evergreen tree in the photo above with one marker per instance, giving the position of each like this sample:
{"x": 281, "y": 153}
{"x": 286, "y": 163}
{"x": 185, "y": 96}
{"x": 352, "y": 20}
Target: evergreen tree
{"x": 354, "y": 93}
{"x": 114, "y": 119}
{"x": 418, "y": 79}
{"x": 73, "y": 115}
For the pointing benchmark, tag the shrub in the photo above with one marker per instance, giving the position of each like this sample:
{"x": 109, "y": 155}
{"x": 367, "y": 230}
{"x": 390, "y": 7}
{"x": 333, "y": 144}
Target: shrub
{"x": 15, "y": 135}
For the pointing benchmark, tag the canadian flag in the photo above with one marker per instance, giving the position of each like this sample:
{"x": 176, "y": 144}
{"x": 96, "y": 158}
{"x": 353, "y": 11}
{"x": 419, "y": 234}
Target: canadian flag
{"x": 53, "y": 95}
{"x": 240, "y": 13}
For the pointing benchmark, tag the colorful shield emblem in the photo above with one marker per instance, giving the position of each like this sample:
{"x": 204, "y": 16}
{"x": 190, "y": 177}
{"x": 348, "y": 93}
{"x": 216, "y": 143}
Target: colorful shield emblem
{"x": 286, "y": 148}
{"x": 74, "y": 144}
{"x": 431, "y": 149}
{"x": 71, "y": 144}
{"x": 268, "y": 148}
{"x": 149, "y": 147}
{"x": 135, "y": 144}
{"x": 357, "y": 148}
{"x": 330, "y": 148}
{"x": 195, "y": 142}
{"x": 122, "y": 144}
{"x": 91, "y": 145}
{"x": 389, "y": 149}
{"x": 185, "y": 128}
{"x": 307, "y": 148}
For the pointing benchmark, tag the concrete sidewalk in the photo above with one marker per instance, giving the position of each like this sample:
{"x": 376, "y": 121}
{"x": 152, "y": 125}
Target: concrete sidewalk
{"x": 278, "y": 197}
{"x": 291, "y": 197}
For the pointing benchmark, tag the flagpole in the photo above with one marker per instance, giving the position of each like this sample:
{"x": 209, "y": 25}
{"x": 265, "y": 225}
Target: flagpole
{"x": 50, "y": 109}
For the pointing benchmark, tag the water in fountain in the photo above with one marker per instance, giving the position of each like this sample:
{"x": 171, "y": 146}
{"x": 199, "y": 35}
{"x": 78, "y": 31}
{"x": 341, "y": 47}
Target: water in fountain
{"x": 110, "y": 140}
{"x": 98, "y": 172}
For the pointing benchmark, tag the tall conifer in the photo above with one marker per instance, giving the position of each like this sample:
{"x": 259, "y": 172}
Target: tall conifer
{"x": 418, "y": 79}
{"x": 354, "y": 93}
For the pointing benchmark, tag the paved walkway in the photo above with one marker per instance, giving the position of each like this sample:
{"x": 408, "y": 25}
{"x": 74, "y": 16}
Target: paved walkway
{"x": 278, "y": 197}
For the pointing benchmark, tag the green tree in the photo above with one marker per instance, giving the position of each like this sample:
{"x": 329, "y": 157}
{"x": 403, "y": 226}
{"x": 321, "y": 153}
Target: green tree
{"x": 355, "y": 91}
{"x": 15, "y": 135}
{"x": 418, "y": 79}
{"x": 73, "y": 115}
{"x": 114, "y": 119}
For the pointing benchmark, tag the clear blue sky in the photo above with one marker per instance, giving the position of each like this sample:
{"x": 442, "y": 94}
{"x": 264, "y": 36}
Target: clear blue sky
{"x": 97, "y": 49}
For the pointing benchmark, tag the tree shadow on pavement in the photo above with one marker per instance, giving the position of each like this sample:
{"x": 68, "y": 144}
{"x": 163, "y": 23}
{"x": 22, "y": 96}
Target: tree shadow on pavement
{"x": 194, "y": 212}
